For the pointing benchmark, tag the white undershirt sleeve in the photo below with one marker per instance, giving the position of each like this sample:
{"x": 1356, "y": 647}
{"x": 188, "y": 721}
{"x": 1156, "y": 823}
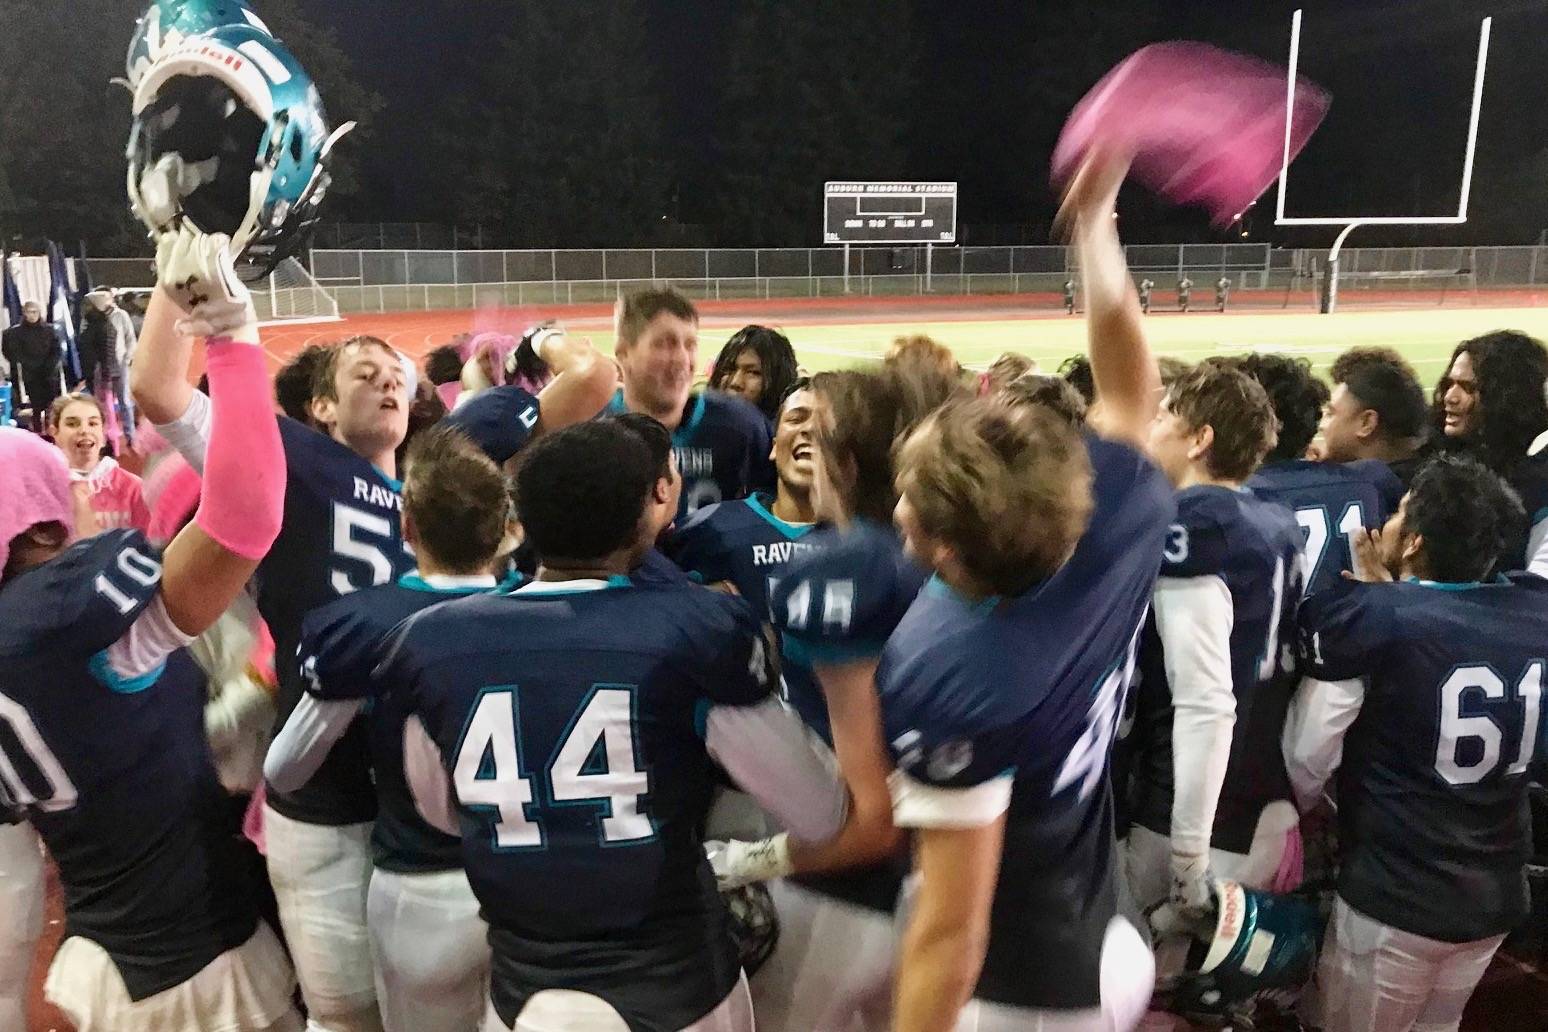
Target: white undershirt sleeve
{"x": 427, "y": 780}
{"x": 1537, "y": 548}
{"x": 1194, "y": 617}
{"x": 142, "y": 650}
{"x": 917, "y": 804}
{"x": 303, "y": 743}
{"x": 1320, "y": 714}
{"x": 776, "y": 759}
{"x": 190, "y": 432}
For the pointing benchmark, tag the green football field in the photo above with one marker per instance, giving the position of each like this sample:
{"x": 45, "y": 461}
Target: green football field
{"x": 1424, "y": 336}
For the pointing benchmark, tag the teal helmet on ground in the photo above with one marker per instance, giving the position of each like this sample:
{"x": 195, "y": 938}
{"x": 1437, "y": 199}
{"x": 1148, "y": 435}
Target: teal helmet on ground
{"x": 1259, "y": 956}
{"x": 230, "y": 133}
{"x": 166, "y": 23}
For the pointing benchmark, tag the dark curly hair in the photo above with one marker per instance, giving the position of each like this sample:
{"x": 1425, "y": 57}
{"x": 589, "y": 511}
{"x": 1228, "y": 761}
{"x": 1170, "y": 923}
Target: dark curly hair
{"x": 1382, "y": 380}
{"x": 444, "y": 365}
{"x": 1054, "y": 393}
{"x": 1077, "y": 371}
{"x": 1511, "y": 369}
{"x": 1468, "y": 516}
{"x": 602, "y": 468}
{"x": 1297, "y": 396}
{"x": 774, "y": 353}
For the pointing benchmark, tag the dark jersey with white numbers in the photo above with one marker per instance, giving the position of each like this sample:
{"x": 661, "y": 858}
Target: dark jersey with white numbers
{"x": 341, "y": 533}
{"x": 1330, "y": 501}
{"x": 1253, "y": 547}
{"x": 839, "y": 603}
{"x": 114, "y": 771}
{"x": 499, "y": 420}
{"x": 1030, "y": 689}
{"x": 570, "y": 718}
{"x": 741, "y": 542}
{"x": 722, "y": 448}
{"x": 1433, "y": 821}
{"x": 341, "y": 644}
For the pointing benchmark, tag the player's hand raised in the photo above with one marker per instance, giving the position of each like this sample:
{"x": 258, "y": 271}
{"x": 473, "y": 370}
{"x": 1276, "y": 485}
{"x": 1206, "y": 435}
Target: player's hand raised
{"x": 196, "y": 270}
{"x": 1365, "y": 547}
{"x": 1092, "y": 192}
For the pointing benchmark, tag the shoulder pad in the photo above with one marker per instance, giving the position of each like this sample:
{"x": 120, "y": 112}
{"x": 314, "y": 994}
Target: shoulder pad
{"x": 84, "y": 599}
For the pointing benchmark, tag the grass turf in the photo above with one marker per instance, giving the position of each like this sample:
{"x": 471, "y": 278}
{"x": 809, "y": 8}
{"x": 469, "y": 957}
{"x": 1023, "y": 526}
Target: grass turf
{"x": 1425, "y": 337}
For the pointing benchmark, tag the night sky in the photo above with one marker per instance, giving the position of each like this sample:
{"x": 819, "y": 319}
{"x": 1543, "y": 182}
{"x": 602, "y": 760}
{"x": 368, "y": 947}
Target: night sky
{"x": 1400, "y": 73}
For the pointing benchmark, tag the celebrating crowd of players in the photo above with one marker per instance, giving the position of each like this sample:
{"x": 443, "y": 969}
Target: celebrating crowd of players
{"x": 1003, "y": 688}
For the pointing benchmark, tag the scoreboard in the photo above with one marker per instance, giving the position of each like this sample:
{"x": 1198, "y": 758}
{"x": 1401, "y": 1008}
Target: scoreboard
{"x": 890, "y": 213}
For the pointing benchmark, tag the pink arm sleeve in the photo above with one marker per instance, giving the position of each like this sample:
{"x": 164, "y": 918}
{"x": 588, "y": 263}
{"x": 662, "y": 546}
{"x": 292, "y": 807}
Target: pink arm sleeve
{"x": 243, "y": 500}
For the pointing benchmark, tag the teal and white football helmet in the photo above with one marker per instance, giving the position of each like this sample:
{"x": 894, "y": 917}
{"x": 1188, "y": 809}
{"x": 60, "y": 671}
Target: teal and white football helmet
{"x": 167, "y": 23}
{"x": 1263, "y": 950}
{"x": 230, "y": 133}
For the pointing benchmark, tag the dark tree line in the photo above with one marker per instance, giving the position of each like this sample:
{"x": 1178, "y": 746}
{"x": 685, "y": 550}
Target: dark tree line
{"x": 715, "y": 122}
{"x": 64, "y": 122}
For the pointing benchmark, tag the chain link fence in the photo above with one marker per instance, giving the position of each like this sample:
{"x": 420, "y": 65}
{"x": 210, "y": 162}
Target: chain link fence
{"x": 419, "y": 279}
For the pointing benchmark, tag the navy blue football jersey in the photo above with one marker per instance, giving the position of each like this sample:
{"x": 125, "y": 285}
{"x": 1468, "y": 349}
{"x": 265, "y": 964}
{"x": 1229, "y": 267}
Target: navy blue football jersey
{"x": 1253, "y": 547}
{"x": 1434, "y": 827}
{"x": 571, "y": 721}
{"x": 1530, "y": 480}
{"x": 115, "y": 772}
{"x": 499, "y": 420}
{"x": 839, "y": 603}
{"x": 740, "y": 542}
{"x": 342, "y": 532}
{"x": 1030, "y": 689}
{"x": 341, "y": 645}
{"x": 722, "y": 447}
{"x": 1330, "y": 500}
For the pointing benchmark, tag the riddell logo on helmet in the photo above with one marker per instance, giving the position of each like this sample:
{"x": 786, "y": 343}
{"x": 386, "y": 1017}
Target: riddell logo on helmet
{"x": 1230, "y": 910}
{"x": 231, "y": 60}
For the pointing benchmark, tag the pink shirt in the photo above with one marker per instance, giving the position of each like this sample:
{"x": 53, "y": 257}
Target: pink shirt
{"x": 116, "y": 497}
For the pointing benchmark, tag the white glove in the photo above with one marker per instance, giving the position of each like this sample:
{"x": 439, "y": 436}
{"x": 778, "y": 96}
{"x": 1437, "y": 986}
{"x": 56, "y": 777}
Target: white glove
{"x": 737, "y": 863}
{"x": 197, "y": 270}
{"x": 1190, "y": 905}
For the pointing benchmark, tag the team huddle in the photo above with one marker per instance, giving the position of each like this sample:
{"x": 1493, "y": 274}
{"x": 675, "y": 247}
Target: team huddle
{"x": 881, "y": 698}
{"x": 893, "y": 697}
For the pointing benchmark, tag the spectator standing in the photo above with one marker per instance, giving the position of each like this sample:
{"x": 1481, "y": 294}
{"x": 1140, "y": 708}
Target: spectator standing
{"x": 32, "y": 348}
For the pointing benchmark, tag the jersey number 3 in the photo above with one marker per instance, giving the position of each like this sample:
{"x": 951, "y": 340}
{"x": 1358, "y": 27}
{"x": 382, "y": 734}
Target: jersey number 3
{"x": 488, "y": 770}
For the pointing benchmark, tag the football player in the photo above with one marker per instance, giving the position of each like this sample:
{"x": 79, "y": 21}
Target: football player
{"x": 1003, "y": 685}
{"x": 1491, "y": 403}
{"x": 1424, "y": 696}
{"x": 1331, "y": 500}
{"x": 428, "y": 946}
{"x": 104, "y": 750}
{"x": 835, "y": 608}
{"x": 577, "y": 719}
{"x": 757, "y": 365}
{"x": 1209, "y": 795}
{"x": 749, "y": 543}
{"x": 722, "y": 442}
{"x": 341, "y": 533}
{"x": 1377, "y": 411}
